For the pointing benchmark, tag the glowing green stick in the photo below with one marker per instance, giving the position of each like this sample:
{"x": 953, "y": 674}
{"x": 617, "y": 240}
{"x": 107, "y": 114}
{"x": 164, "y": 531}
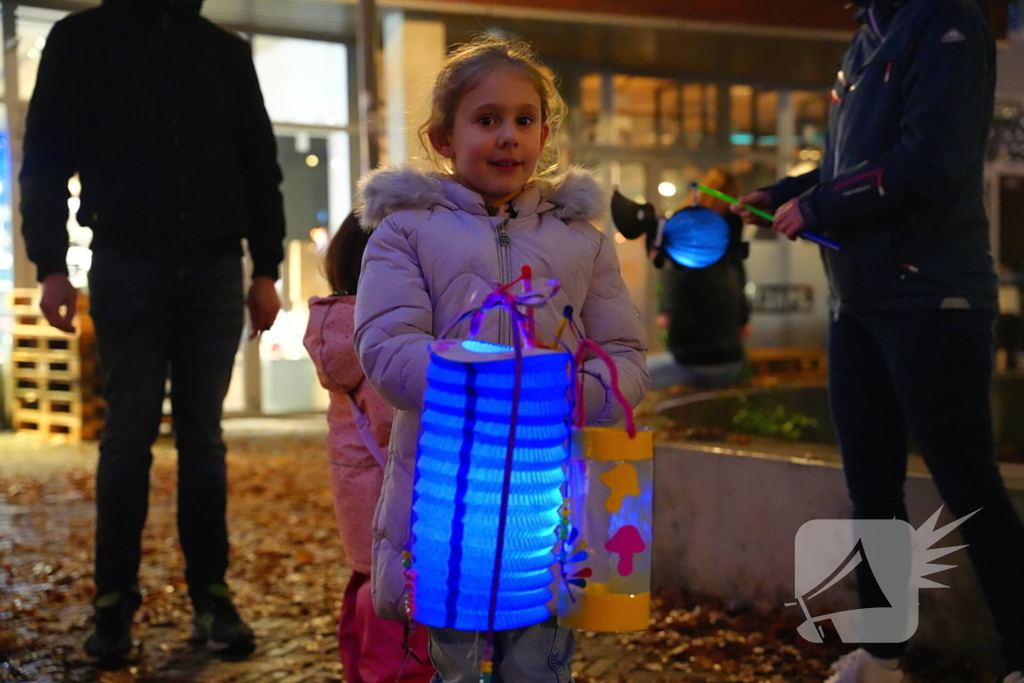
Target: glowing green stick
{"x": 803, "y": 234}
{"x": 732, "y": 200}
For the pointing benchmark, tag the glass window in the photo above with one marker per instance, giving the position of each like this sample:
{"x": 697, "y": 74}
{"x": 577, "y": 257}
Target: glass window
{"x": 305, "y": 88}
{"x": 650, "y": 112}
{"x": 766, "y": 109}
{"x": 33, "y": 26}
{"x": 811, "y": 110}
{"x": 755, "y": 115}
{"x": 741, "y": 105}
{"x": 303, "y": 81}
{"x": 6, "y": 238}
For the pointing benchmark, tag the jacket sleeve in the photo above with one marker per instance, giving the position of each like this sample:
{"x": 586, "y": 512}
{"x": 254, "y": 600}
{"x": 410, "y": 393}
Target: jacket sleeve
{"x": 53, "y": 133}
{"x": 257, "y": 159}
{"x": 791, "y": 188}
{"x": 611, "y": 321}
{"x": 945, "y": 115}
{"x": 394, "y": 319}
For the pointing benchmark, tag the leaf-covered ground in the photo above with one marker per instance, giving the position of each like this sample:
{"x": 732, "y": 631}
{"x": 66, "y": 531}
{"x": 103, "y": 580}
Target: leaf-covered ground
{"x": 288, "y": 571}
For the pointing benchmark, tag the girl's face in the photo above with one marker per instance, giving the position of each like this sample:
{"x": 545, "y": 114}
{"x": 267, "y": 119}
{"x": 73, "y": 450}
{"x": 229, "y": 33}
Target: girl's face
{"x": 496, "y": 136}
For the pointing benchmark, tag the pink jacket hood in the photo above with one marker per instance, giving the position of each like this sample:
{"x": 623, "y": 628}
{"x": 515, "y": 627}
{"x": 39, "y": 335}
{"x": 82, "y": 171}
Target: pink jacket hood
{"x": 330, "y": 344}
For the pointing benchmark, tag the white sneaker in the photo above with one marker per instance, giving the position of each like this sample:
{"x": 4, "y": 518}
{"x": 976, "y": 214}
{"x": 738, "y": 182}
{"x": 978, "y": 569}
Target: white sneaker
{"x": 1015, "y": 677}
{"x": 860, "y": 667}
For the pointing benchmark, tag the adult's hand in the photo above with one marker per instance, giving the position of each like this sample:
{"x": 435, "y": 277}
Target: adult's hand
{"x": 759, "y": 200}
{"x": 59, "y": 293}
{"x": 263, "y": 304}
{"x": 788, "y": 219}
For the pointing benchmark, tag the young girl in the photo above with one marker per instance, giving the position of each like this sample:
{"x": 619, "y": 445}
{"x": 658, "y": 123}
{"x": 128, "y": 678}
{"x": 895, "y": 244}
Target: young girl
{"x": 360, "y": 424}
{"x": 494, "y": 205}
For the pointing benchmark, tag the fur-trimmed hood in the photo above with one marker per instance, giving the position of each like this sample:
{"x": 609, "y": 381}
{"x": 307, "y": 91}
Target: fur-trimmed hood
{"x": 573, "y": 195}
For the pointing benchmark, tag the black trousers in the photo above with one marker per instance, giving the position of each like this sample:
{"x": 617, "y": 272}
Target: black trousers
{"x": 928, "y": 374}
{"x": 153, "y": 322}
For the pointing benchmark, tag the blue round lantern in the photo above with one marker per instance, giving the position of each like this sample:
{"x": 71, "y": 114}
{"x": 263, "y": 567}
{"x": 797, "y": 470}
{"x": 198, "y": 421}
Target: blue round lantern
{"x": 695, "y": 237}
{"x": 460, "y": 470}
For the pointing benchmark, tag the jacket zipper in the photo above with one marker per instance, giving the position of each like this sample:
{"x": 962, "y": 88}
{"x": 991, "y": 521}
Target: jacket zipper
{"x": 505, "y": 273}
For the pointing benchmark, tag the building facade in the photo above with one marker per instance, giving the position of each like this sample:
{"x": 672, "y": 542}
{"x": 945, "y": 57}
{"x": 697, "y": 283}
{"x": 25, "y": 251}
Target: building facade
{"x": 658, "y": 92}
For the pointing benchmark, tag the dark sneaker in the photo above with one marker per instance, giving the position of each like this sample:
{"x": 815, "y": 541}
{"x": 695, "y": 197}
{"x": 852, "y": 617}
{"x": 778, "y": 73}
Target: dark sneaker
{"x": 109, "y": 640}
{"x": 217, "y": 622}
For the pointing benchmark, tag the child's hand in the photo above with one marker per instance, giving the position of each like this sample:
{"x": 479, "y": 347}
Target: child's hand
{"x": 263, "y": 304}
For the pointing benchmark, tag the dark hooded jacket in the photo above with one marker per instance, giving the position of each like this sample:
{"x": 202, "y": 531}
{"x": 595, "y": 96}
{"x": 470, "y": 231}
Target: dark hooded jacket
{"x": 900, "y": 185}
{"x": 160, "y": 112}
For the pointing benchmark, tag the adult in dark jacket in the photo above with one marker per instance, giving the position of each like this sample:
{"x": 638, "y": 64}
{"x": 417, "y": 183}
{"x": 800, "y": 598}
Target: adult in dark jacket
{"x": 913, "y": 291}
{"x": 160, "y": 114}
{"x": 705, "y": 310}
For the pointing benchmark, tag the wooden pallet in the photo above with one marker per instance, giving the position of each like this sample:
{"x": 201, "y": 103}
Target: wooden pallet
{"x": 55, "y": 375}
{"x": 31, "y": 405}
{"x": 56, "y": 428}
{"x": 789, "y": 363}
{"x": 52, "y": 365}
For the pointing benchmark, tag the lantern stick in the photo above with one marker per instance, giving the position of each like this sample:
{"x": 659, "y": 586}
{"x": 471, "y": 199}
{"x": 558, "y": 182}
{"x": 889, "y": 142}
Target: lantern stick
{"x": 506, "y": 484}
{"x": 527, "y": 278}
{"x": 558, "y": 334}
{"x": 803, "y": 234}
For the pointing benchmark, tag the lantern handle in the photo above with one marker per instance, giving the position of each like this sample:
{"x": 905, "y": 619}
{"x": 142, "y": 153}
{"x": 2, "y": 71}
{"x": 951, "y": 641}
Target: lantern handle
{"x": 613, "y": 372}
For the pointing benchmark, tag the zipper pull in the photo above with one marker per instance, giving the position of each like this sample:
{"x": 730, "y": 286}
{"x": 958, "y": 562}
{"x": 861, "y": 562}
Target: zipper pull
{"x": 503, "y": 238}
{"x": 888, "y": 71}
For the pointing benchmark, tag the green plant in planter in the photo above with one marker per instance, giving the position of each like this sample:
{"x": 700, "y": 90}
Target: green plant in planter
{"x": 765, "y": 420}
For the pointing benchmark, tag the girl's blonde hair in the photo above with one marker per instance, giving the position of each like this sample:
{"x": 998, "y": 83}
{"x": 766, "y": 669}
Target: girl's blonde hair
{"x": 466, "y": 66}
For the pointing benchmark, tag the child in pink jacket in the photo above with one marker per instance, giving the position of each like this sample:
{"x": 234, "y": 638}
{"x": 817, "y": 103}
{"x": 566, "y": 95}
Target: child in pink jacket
{"x": 370, "y": 648}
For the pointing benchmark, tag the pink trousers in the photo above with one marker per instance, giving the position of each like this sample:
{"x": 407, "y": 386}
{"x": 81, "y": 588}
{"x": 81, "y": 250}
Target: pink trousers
{"x": 371, "y": 648}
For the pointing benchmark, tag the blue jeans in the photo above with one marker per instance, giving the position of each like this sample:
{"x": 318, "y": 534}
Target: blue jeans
{"x": 541, "y": 653}
{"x": 928, "y": 374}
{"x": 153, "y": 322}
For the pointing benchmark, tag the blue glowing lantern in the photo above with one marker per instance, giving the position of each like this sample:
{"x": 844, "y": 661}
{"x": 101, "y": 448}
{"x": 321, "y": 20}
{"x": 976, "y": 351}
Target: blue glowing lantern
{"x": 460, "y": 470}
{"x": 695, "y": 237}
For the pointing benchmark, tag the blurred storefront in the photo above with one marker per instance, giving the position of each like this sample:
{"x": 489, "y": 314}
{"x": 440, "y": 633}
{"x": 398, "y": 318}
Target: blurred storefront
{"x": 302, "y": 59}
{"x": 659, "y": 91}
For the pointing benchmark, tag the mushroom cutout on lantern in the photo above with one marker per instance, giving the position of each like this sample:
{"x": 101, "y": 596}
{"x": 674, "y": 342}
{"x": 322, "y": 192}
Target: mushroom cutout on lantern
{"x": 626, "y": 543}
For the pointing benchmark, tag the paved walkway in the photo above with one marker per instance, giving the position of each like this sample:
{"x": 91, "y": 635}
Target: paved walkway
{"x": 287, "y": 573}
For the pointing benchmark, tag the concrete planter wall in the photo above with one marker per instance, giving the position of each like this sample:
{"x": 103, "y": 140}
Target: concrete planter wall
{"x": 726, "y": 520}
